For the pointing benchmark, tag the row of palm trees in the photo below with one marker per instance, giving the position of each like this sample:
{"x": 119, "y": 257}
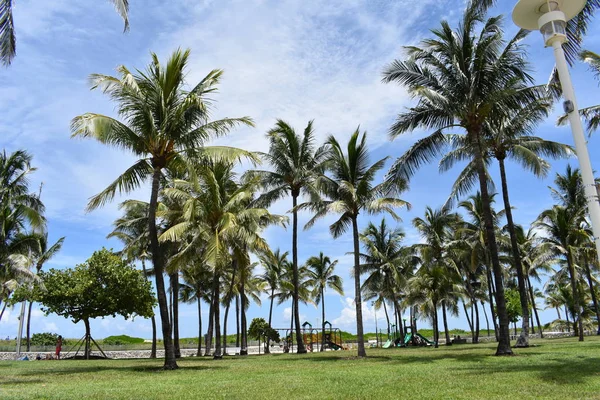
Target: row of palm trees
{"x": 472, "y": 88}
{"x": 24, "y": 243}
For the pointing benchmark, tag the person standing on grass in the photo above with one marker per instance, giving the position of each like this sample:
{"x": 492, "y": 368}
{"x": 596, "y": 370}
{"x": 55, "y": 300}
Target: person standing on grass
{"x": 58, "y": 347}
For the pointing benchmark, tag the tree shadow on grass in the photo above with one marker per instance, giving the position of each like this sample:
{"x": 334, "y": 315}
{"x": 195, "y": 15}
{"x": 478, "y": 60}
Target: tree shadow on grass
{"x": 7, "y": 382}
{"x": 556, "y": 370}
{"x": 79, "y": 369}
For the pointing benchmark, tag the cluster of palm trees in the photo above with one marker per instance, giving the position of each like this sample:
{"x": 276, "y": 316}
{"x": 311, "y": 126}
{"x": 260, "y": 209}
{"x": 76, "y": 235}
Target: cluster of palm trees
{"x": 204, "y": 222}
{"x": 24, "y": 245}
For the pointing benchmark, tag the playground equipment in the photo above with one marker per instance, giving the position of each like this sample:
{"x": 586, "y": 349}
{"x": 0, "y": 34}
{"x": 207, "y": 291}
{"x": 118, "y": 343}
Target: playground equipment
{"x": 410, "y": 339}
{"x": 311, "y": 337}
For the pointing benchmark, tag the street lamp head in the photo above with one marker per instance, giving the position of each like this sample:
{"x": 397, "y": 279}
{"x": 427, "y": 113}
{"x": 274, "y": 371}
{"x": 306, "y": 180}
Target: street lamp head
{"x": 548, "y": 16}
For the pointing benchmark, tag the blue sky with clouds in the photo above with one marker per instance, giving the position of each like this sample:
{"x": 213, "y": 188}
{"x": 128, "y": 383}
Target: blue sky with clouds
{"x": 288, "y": 59}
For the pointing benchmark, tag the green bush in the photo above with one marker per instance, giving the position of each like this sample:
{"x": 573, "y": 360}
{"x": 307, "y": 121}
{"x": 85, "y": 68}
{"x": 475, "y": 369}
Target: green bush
{"x": 122, "y": 339}
{"x": 44, "y": 339}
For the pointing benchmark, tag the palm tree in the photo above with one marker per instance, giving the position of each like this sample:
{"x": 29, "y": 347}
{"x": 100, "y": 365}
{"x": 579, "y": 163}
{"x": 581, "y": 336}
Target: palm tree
{"x": 436, "y": 273}
{"x": 296, "y": 163}
{"x": 42, "y": 255}
{"x": 350, "y": 191}
{"x": 463, "y": 79}
{"x": 132, "y": 230}
{"x": 195, "y": 288}
{"x": 510, "y": 137}
{"x": 163, "y": 122}
{"x": 388, "y": 264}
{"x": 321, "y": 276}
{"x": 563, "y": 236}
{"x": 274, "y": 264}
{"x": 7, "y": 30}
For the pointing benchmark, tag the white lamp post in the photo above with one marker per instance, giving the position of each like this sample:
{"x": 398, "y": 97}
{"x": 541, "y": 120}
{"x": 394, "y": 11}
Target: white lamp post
{"x": 550, "y": 18}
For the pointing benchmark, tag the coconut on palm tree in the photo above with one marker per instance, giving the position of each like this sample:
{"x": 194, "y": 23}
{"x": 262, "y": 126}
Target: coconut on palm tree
{"x": 163, "y": 121}
{"x": 296, "y": 162}
{"x": 321, "y": 275}
{"x": 349, "y": 191}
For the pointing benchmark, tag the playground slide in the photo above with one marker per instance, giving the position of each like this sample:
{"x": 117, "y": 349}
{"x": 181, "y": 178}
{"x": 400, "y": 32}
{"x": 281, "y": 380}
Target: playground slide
{"x": 387, "y": 344}
{"x": 407, "y": 338}
{"x": 425, "y": 339}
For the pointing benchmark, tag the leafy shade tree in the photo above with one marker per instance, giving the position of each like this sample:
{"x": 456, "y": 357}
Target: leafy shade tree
{"x": 295, "y": 163}
{"x": 513, "y": 307}
{"x": 8, "y": 47}
{"x": 105, "y": 285}
{"x": 163, "y": 122}
{"x": 349, "y": 191}
{"x": 463, "y": 79}
{"x": 321, "y": 276}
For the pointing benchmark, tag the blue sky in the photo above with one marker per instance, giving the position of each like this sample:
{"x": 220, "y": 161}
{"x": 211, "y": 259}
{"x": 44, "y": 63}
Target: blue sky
{"x": 317, "y": 59}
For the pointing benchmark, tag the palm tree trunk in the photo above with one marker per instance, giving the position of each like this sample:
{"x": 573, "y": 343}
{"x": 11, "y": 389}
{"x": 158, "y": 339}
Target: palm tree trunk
{"x": 535, "y": 310}
{"x": 322, "y": 320}
{"x": 503, "y": 323}
{"x": 267, "y": 349}
{"x": 29, "y": 326}
{"x": 523, "y": 340}
{"x": 237, "y": 320}
{"x": 491, "y": 300}
{"x": 296, "y": 283}
{"x": 158, "y": 262}
{"x": 448, "y": 341}
{"x": 575, "y": 289}
{"x": 590, "y": 283}
{"x": 467, "y": 315}
{"x": 153, "y": 318}
{"x": 3, "y": 309}
{"x": 558, "y": 312}
{"x": 387, "y": 318}
{"x": 199, "y": 352}
{"x": 175, "y": 289}
{"x": 211, "y": 322}
{"x": 225, "y": 328}
{"x": 436, "y": 331}
{"x": 244, "y": 349}
{"x": 487, "y": 321}
{"x": 217, "y": 316}
{"x": 568, "y": 322}
{"x": 476, "y": 323}
{"x": 357, "y": 295}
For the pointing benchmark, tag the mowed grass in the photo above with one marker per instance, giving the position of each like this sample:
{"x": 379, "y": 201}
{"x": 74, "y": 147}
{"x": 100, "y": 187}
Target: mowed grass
{"x": 554, "y": 369}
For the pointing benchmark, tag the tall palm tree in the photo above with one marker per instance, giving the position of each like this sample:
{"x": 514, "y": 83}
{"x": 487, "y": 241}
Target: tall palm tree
{"x": 295, "y": 163}
{"x": 509, "y": 137}
{"x": 274, "y": 264}
{"x": 163, "y": 122}
{"x": 463, "y": 78}
{"x": 42, "y": 255}
{"x": 436, "y": 273}
{"x": 132, "y": 230}
{"x": 195, "y": 288}
{"x": 321, "y": 276}
{"x": 349, "y": 191}
{"x": 388, "y": 264}
{"x": 7, "y": 29}
{"x": 563, "y": 236}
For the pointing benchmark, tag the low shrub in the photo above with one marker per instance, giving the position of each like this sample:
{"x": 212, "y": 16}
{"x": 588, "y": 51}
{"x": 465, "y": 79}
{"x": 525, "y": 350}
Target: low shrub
{"x": 122, "y": 339}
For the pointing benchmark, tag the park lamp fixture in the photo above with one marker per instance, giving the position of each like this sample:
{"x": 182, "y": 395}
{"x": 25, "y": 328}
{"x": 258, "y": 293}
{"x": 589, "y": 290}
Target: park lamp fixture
{"x": 550, "y": 17}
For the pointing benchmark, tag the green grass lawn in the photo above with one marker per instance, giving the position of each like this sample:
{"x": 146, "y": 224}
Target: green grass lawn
{"x": 554, "y": 369}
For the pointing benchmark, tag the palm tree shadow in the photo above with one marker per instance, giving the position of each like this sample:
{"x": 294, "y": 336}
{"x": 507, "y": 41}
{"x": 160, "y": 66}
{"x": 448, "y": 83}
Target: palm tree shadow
{"x": 78, "y": 369}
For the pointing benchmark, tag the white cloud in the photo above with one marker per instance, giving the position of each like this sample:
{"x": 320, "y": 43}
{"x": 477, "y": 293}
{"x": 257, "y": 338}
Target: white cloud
{"x": 50, "y": 327}
{"x": 347, "y": 318}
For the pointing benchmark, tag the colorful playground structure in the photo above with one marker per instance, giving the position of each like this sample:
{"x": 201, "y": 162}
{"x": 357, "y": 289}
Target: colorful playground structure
{"x": 410, "y": 338}
{"x": 311, "y": 338}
